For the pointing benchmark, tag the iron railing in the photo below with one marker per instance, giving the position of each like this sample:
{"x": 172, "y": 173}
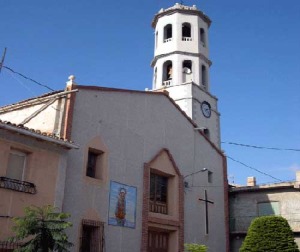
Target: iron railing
{"x": 6, "y": 246}
{"x": 17, "y": 185}
{"x": 158, "y": 207}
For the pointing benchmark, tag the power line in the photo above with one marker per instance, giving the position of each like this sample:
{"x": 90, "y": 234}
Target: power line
{"x": 2, "y": 60}
{"x": 266, "y": 174}
{"x": 261, "y": 147}
{"x": 25, "y": 77}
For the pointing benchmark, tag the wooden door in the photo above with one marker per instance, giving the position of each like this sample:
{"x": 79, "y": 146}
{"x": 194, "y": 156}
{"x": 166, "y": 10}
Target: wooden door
{"x": 158, "y": 241}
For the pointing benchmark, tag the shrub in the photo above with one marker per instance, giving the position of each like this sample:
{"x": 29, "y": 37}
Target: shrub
{"x": 269, "y": 233}
{"x": 42, "y": 229}
{"x": 194, "y": 247}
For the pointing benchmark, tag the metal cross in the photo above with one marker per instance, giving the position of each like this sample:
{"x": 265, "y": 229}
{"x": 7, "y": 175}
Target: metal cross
{"x": 206, "y": 209}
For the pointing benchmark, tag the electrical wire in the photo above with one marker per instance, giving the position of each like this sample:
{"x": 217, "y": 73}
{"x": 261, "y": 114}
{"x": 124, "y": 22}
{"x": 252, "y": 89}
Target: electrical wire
{"x": 261, "y": 172}
{"x": 261, "y": 147}
{"x": 25, "y": 77}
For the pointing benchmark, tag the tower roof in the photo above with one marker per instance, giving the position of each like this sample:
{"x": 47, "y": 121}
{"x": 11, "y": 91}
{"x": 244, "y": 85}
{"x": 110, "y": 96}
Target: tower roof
{"x": 179, "y": 8}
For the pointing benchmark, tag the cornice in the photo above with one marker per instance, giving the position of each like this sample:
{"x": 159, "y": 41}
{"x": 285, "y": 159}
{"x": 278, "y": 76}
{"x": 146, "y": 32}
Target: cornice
{"x": 200, "y": 55}
{"x": 178, "y": 8}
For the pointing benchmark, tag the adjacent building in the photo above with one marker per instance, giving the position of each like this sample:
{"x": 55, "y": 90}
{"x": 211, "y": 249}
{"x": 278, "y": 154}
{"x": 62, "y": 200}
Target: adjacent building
{"x": 32, "y": 172}
{"x": 251, "y": 201}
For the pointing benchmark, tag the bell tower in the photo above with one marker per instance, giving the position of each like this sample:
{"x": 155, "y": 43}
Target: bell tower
{"x": 181, "y": 64}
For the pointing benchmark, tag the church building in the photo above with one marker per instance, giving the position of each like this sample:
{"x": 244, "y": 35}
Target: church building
{"x": 149, "y": 174}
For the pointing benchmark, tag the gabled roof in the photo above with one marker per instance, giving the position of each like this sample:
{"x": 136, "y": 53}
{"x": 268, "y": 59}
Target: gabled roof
{"x": 109, "y": 89}
{"x": 160, "y": 93}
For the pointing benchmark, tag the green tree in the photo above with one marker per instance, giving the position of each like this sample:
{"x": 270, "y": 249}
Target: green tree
{"x": 42, "y": 229}
{"x": 269, "y": 233}
{"x": 194, "y": 247}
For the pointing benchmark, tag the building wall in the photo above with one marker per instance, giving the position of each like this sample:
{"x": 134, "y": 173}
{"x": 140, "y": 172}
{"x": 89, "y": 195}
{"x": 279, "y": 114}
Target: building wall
{"x": 243, "y": 208}
{"x": 132, "y": 127}
{"x": 45, "y": 167}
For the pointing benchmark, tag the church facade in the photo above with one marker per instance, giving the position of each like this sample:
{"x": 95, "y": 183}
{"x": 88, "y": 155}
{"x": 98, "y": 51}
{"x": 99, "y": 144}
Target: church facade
{"x": 148, "y": 174}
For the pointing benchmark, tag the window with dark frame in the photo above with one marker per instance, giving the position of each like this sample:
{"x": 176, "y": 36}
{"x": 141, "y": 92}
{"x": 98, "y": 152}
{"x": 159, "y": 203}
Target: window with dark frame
{"x": 94, "y": 163}
{"x": 158, "y": 193}
{"x": 16, "y": 165}
{"x": 167, "y": 33}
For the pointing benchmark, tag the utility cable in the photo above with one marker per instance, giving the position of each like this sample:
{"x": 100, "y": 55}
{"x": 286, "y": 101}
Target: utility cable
{"x": 266, "y": 174}
{"x": 25, "y": 77}
{"x": 261, "y": 147}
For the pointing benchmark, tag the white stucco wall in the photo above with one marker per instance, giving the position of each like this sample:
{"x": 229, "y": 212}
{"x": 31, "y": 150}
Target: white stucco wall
{"x": 134, "y": 127}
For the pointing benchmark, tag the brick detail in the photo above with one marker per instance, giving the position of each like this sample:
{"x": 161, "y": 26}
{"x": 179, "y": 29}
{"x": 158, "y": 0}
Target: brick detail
{"x": 163, "y": 221}
{"x": 145, "y": 211}
{"x": 70, "y": 102}
{"x": 146, "y": 219}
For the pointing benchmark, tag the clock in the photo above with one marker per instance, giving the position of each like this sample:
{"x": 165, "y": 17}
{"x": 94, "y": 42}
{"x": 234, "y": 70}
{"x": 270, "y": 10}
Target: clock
{"x": 206, "y": 109}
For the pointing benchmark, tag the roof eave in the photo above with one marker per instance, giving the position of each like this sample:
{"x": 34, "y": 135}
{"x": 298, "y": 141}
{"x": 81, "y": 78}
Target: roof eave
{"x": 29, "y": 133}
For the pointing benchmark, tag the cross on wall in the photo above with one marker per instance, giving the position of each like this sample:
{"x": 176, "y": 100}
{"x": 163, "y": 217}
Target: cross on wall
{"x": 206, "y": 210}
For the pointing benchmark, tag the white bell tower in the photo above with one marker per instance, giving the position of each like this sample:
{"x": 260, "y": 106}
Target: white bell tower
{"x": 181, "y": 64}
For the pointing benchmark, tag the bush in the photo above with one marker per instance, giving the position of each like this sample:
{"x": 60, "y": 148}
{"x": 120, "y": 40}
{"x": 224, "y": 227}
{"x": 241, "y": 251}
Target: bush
{"x": 194, "y": 247}
{"x": 269, "y": 233}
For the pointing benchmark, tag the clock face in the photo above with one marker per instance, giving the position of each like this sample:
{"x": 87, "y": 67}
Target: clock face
{"x": 206, "y": 109}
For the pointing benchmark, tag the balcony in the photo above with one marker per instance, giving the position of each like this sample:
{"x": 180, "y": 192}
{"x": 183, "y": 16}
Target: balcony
{"x": 167, "y": 83}
{"x": 167, "y": 40}
{"x": 158, "y": 207}
{"x": 186, "y": 39}
{"x": 17, "y": 185}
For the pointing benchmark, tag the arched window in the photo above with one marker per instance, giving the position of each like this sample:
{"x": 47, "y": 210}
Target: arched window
{"x": 167, "y": 73}
{"x": 155, "y": 77}
{"x": 204, "y": 75}
{"x": 167, "y": 33}
{"x": 202, "y": 37}
{"x": 186, "y": 32}
{"x": 186, "y": 71}
{"x": 156, "y": 39}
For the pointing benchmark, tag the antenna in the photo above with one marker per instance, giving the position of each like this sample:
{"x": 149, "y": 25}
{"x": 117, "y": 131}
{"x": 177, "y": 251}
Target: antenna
{"x": 3, "y": 58}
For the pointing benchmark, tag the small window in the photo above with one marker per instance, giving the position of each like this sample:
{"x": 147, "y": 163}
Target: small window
{"x": 158, "y": 193}
{"x": 186, "y": 32}
{"x": 268, "y": 208}
{"x": 202, "y": 37}
{"x": 210, "y": 176}
{"x": 156, "y": 39}
{"x": 206, "y": 133}
{"x": 16, "y": 165}
{"x": 94, "y": 163}
{"x": 204, "y": 75}
{"x": 92, "y": 237}
{"x": 167, "y": 33}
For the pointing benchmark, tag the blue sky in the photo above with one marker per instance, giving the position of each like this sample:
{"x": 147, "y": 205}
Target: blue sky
{"x": 254, "y": 47}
